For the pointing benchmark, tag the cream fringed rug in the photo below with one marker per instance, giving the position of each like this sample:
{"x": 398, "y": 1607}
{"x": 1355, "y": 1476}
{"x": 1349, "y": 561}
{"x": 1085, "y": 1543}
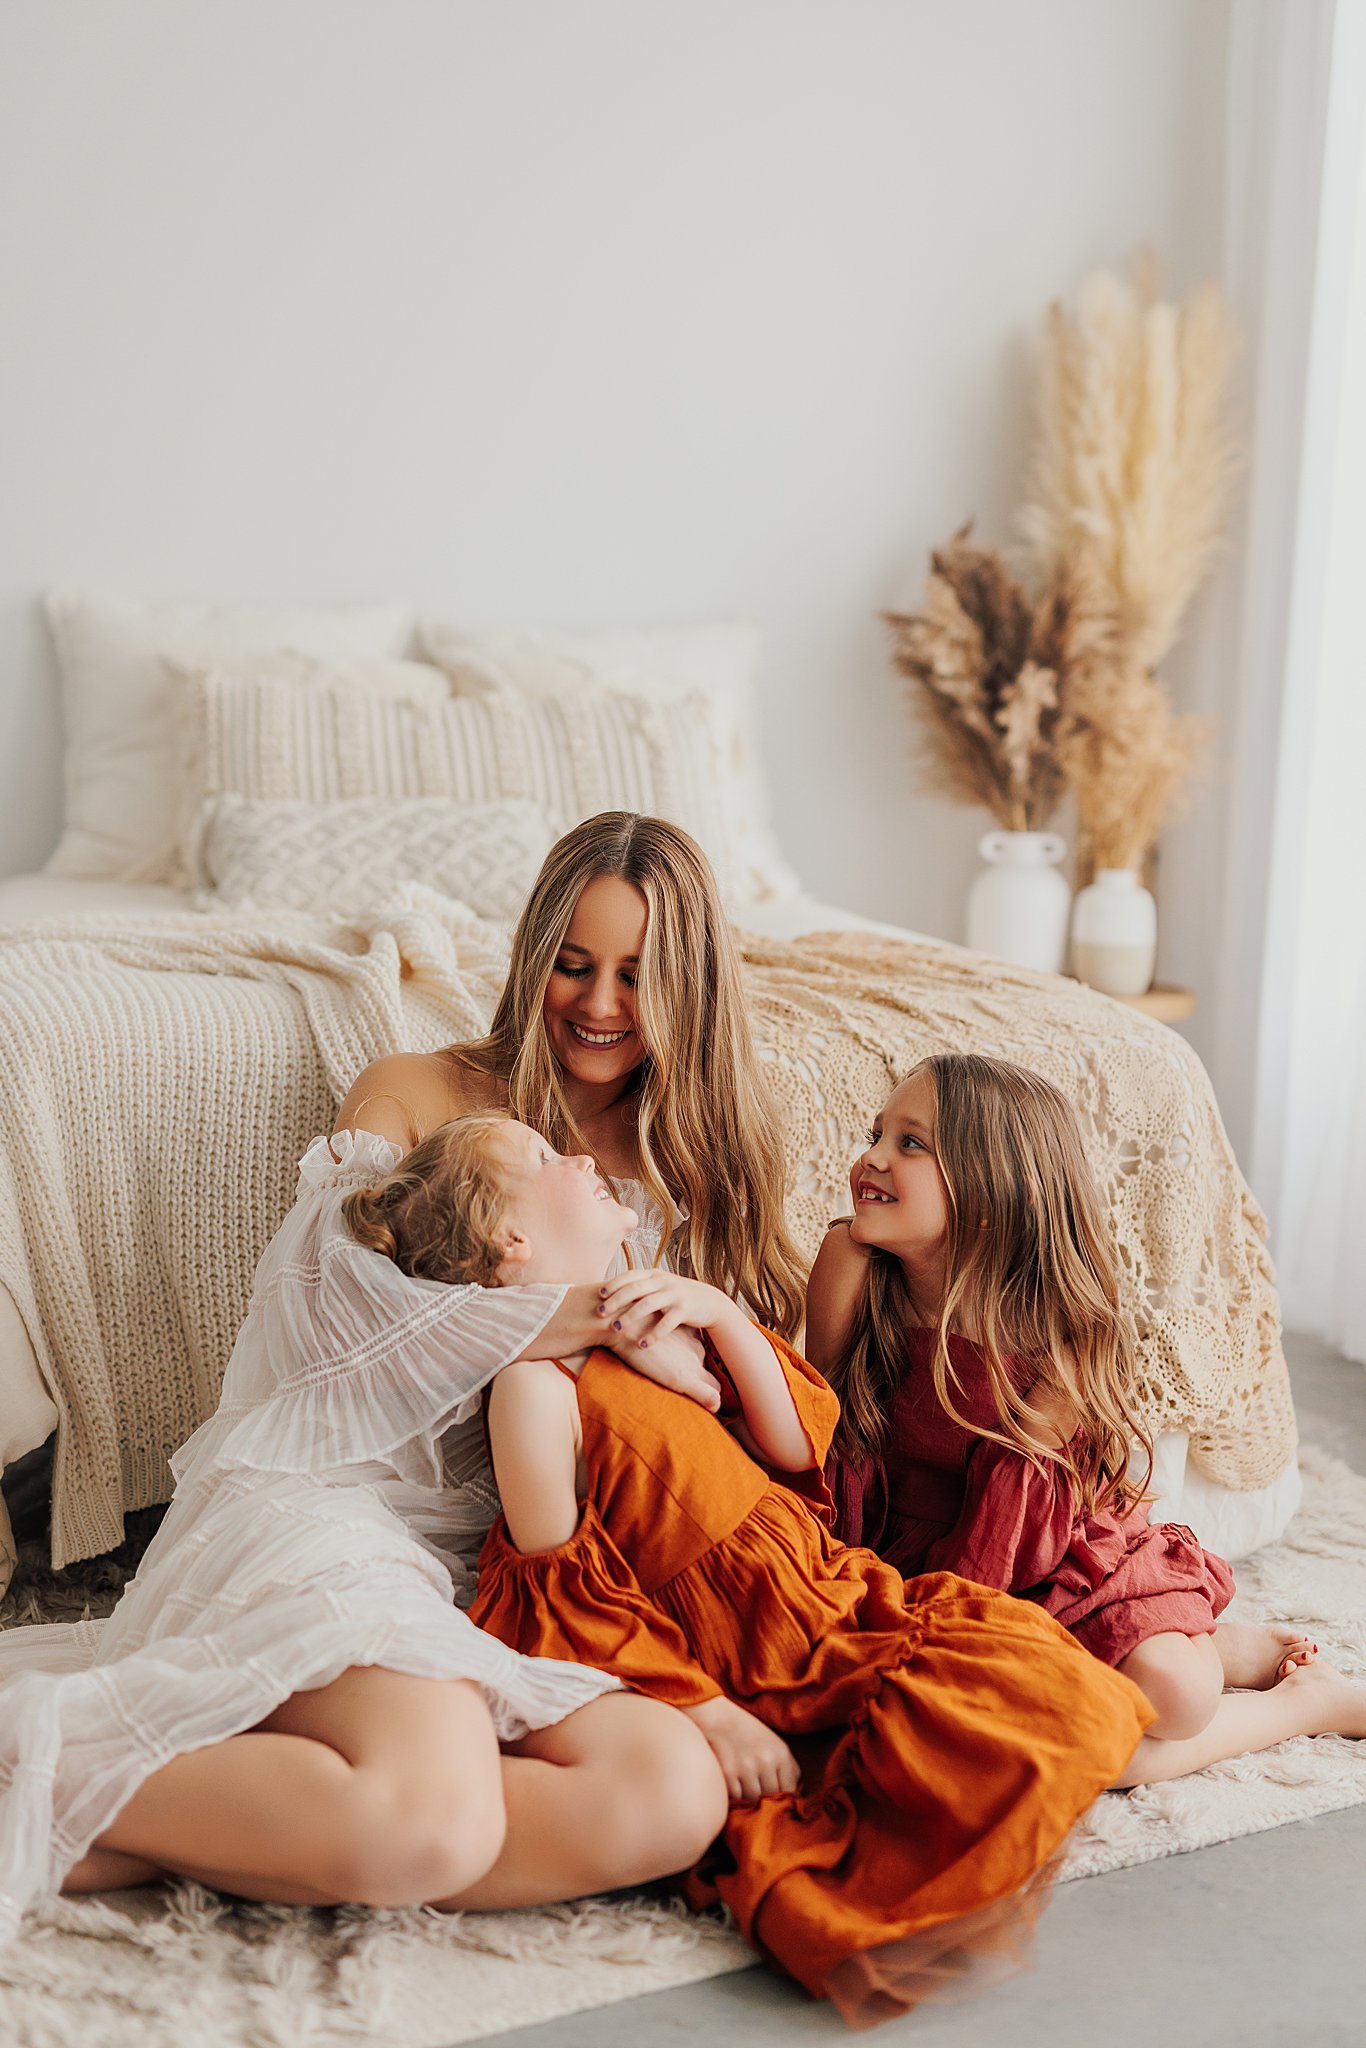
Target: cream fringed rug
{"x": 183, "y": 1969}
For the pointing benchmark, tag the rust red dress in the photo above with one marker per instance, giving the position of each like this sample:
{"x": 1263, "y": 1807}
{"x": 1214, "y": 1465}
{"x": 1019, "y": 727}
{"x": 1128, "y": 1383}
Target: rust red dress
{"x": 947, "y": 1736}
{"x": 942, "y": 1499}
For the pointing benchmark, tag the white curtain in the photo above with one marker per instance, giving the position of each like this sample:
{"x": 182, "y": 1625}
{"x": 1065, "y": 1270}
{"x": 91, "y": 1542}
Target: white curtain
{"x": 1291, "y": 998}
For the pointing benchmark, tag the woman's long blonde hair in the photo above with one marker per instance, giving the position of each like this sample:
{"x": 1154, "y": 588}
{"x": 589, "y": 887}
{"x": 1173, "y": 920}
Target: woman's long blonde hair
{"x": 1030, "y": 1272}
{"x": 706, "y": 1132}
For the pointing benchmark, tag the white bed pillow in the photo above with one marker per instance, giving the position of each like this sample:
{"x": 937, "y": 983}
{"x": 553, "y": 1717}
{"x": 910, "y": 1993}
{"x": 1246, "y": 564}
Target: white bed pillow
{"x": 347, "y": 857}
{"x": 117, "y": 708}
{"x": 662, "y": 665}
{"x": 570, "y": 757}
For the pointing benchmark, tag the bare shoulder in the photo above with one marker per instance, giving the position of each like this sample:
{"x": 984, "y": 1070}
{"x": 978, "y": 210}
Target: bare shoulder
{"x": 401, "y": 1096}
{"x": 525, "y": 1392}
{"x": 841, "y": 1263}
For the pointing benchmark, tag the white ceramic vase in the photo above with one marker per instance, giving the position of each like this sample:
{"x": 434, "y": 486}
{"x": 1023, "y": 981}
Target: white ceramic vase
{"x": 1114, "y": 933}
{"x": 1018, "y": 905}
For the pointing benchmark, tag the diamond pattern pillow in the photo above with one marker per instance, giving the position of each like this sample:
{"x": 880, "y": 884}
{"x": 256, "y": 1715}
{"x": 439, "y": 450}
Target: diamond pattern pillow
{"x": 349, "y": 856}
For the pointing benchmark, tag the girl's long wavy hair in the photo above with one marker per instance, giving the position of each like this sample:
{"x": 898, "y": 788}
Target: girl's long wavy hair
{"x": 440, "y": 1213}
{"x": 706, "y": 1130}
{"x": 1030, "y": 1272}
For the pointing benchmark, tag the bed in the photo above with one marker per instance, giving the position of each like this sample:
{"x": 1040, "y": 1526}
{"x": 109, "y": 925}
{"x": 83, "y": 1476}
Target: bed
{"x": 296, "y": 840}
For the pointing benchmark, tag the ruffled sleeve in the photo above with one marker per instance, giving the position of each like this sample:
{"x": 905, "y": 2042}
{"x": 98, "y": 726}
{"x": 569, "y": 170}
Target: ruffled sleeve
{"x": 582, "y": 1602}
{"x": 1015, "y": 1526}
{"x": 343, "y": 1359}
{"x": 818, "y": 1413}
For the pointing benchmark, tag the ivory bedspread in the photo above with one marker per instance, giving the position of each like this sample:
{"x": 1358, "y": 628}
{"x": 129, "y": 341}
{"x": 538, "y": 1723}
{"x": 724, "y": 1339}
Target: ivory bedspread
{"x": 159, "y": 1081}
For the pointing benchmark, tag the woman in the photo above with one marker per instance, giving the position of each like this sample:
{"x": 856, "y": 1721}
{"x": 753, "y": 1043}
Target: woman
{"x": 622, "y": 1032}
{"x": 286, "y": 1702}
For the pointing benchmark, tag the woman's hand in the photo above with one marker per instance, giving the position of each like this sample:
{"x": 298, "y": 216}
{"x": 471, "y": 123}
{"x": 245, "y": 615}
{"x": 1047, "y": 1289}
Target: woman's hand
{"x": 652, "y": 1303}
{"x": 754, "y": 1761}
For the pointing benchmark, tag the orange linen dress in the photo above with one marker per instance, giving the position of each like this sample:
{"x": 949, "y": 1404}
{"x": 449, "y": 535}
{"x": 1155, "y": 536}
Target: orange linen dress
{"x": 948, "y": 1736}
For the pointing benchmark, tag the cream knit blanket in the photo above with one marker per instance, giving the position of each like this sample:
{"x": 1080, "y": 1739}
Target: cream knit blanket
{"x": 161, "y": 1079}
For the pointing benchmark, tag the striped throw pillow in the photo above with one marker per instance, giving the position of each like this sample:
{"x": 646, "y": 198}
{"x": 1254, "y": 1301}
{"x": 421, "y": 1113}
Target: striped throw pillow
{"x": 571, "y": 757}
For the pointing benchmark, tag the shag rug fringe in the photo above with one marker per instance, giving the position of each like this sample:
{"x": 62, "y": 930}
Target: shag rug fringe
{"x": 183, "y": 1968}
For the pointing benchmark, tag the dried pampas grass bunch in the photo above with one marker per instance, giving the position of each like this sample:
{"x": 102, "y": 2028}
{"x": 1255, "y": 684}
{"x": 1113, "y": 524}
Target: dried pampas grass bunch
{"x": 1134, "y": 459}
{"x": 1128, "y": 753}
{"x": 1130, "y": 479}
{"x": 1020, "y": 697}
{"x": 985, "y": 665}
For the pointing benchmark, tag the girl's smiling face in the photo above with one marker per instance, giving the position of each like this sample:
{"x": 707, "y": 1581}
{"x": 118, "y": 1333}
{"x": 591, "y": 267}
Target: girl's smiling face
{"x": 563, "y": 1221}
{"x": 590, "y": 999}
{"x": 901, "y": 1204}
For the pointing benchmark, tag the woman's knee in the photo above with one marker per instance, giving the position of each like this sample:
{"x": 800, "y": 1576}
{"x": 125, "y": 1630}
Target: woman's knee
{"x": 424, "y": 1816}
{"x": 1182, "y": 1678}
{"x": 405, "y": 1843}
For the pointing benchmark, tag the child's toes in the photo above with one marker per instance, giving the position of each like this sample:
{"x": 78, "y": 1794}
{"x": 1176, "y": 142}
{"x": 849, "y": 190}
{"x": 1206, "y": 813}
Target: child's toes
{"x": 1302, "y": 1652}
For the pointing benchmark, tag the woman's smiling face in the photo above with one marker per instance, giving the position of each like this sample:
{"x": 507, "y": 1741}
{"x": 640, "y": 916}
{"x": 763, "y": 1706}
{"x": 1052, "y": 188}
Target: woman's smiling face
{"x": 900, "y": 1201}
{"x": 590, "y": 999}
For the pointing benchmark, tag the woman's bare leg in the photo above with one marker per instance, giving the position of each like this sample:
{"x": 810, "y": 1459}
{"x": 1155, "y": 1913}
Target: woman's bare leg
{"x": 379, "y": 1789}
{"x": 1312, "y": 1699}
{"x": 621, "y": 1792}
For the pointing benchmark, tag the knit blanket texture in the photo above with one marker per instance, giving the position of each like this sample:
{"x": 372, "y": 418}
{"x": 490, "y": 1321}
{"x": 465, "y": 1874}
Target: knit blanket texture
{"x": 162, "y": 1077}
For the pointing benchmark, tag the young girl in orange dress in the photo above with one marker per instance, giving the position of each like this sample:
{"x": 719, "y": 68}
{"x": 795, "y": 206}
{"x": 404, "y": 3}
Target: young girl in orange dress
{"x": 903, "y": 1761}
{"x": 968, "y": 1317}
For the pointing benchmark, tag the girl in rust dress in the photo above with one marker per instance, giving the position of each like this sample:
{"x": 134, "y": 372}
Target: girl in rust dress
{"x": 903, "y": 1762}
{"x": 967, "y": 1315}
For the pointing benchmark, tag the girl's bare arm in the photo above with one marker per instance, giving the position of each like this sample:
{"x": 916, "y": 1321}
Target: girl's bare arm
{"x": 674, "y": 1301}
{"x": 832, "y": 1295}
{"x": 534, "y": 1440}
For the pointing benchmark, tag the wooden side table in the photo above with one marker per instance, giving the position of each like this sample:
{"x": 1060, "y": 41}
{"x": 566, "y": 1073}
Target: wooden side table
{"x": 1168, "y": 1005}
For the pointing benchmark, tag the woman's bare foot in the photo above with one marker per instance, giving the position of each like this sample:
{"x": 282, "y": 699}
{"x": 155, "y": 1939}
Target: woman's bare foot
{"x": 1258, "y": 1654}
{"x": 1330, "y": 1701}
{"x": 110, "y": 1870}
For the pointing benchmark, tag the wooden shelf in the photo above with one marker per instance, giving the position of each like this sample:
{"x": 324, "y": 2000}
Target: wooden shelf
{"x": 1168, "y": 1005}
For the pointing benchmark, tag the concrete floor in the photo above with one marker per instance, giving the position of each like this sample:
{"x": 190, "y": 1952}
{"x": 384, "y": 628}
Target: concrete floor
{"x": 1257, "y": 1943}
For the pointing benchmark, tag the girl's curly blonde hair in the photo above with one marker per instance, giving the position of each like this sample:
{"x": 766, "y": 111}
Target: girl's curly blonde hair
{"x": 440, "y": 1214}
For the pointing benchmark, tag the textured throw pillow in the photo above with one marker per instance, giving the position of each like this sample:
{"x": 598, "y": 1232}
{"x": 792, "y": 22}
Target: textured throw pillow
{"x": 570, "y": 758}
{"x": 715, "y": 662}
{"x": 117, "y": 709}
{"x": 349, "y": 856}
{"x": 411, "y": 682}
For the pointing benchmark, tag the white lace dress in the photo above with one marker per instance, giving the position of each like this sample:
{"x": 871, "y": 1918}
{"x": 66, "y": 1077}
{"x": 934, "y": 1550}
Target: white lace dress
{"x": 314, "y": 1527}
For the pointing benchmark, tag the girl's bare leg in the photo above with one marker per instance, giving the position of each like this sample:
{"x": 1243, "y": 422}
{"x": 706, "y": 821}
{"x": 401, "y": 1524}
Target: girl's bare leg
{"x": 379, "y": 1789}
{"x": 1183, "y": 1677}
{"x": 623, "y": 1791}
{"x": 1312, "y": 1699}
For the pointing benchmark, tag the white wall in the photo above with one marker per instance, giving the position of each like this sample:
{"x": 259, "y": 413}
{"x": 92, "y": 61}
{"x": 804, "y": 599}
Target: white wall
{"x": 579, "y": 311}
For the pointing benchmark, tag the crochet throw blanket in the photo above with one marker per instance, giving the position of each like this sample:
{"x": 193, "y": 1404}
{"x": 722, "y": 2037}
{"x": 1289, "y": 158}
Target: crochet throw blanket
{"x": 159, "y": 1081}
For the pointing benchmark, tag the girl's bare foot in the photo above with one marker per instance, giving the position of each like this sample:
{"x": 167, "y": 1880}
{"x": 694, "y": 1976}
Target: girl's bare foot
{"x": 1258, "y": 1654}
{"x": 1333, "y": 1703}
